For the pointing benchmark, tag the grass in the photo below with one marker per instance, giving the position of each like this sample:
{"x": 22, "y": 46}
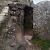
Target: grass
{"x": 43, "y": 44}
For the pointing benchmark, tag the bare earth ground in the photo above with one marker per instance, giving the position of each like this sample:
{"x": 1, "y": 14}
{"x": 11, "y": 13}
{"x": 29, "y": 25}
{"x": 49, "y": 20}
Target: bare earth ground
{"x": 28, "y": 38}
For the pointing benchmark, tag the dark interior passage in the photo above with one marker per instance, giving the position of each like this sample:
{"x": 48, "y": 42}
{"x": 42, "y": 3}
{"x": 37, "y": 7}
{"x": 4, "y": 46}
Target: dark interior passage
{"x": 28, "y": 17}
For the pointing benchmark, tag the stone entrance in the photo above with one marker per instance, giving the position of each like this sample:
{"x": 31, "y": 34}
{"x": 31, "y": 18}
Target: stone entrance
{"x": 24, "y": 14}
{"x": 20, "y": 18}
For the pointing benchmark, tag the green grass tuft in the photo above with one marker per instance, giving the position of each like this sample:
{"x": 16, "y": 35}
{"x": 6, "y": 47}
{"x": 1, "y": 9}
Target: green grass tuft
{"x": 43, "y": 44}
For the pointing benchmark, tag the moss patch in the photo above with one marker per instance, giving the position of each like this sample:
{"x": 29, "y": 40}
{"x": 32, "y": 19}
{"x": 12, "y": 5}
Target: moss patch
{"x": 43, "y": 44}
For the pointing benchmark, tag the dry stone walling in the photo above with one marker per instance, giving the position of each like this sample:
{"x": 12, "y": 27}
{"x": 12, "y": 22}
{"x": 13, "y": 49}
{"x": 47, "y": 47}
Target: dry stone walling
{"x": 11, "y": 37}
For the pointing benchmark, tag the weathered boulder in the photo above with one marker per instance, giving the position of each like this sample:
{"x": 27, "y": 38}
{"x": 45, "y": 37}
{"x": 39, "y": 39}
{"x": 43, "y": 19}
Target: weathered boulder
{"x": 41, "y": 19}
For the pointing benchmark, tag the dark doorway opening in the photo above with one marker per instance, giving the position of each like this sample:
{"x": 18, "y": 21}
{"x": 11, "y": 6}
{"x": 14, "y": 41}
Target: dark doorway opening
{"x": 28, "y": 18}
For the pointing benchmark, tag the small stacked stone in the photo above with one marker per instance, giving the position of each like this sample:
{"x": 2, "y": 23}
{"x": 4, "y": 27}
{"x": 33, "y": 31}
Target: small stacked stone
{"x": 16, "y": 12}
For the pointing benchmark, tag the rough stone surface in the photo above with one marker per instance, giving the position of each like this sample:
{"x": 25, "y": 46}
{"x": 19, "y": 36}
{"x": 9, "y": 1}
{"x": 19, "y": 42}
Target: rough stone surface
{"x": 11, "y": 37}
{"x": 41, "y": 17}
{"x": 11, "y": 34}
